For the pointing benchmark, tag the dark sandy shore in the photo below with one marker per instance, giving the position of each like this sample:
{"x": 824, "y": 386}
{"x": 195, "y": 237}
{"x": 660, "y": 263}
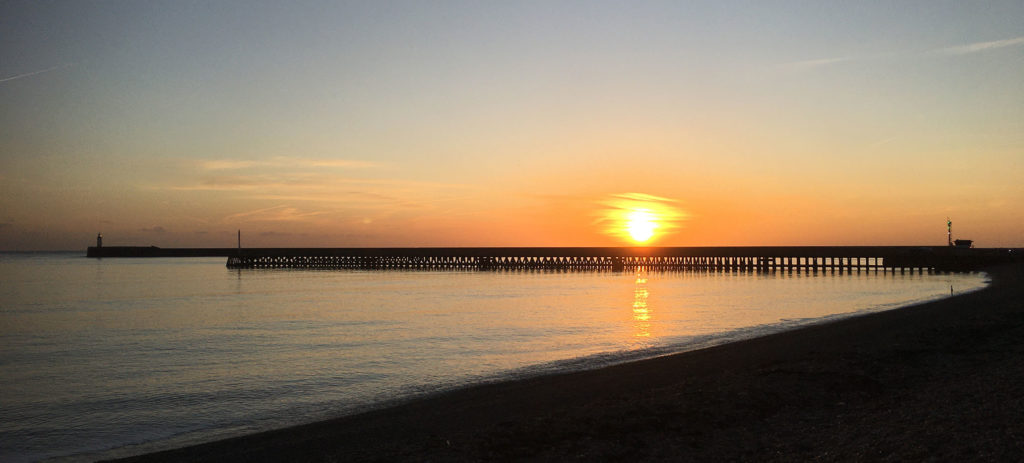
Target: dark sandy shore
{"x": 939, "y": 381}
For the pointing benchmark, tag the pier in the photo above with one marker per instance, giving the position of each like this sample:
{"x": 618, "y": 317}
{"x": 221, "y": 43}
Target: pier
{"x": 760, "y": 258}
{"x": 810, "y": 258}
{"x": 789, "y": 258}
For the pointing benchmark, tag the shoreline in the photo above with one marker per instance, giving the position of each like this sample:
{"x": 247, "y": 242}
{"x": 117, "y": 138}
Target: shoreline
{"x": 912, "y": 382}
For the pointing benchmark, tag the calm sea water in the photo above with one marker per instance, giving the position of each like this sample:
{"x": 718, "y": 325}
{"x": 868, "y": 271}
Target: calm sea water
{"x": 110, "y": 357}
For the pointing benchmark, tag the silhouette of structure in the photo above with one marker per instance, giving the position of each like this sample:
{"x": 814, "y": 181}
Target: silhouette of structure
{"x": 784, "y": 258}
{"x": 765, "y": 258}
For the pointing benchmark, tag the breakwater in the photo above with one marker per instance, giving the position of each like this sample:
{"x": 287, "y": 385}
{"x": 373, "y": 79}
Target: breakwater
{"x": 754, "y": 258}
{"x": 153, "y": 251}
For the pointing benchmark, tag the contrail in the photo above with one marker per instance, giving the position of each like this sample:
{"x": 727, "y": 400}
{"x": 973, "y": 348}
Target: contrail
{"x": 981, "y": 46}
{"x": 29, "y": 74}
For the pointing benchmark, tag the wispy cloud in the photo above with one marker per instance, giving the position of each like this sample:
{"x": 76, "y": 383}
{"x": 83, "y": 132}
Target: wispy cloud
{"x": 349, "y": 197}
{"x": 384, "y": 195}
{"x": 311, "y": 191}
{"x": 284, "y": 162}
{"x": 642, "y": 197}
{"x": 34, "y": 73}
{"x": 980, "y": 46}
{"x": 274, "y": 214}
{"x": 814, "y": 63}
{"x": 281, "y": 234}
{"x": 304, "y": 181}
{"x": 236, "y": 182}
{"x": 353, "y": 193}
{"x": 976, "y": 47}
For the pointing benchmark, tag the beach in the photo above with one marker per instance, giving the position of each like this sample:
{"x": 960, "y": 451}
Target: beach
{"x": 942, "y": 380}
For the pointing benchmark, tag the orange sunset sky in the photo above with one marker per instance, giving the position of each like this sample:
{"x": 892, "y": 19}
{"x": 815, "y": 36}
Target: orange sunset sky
{"x": 519, "y": 123}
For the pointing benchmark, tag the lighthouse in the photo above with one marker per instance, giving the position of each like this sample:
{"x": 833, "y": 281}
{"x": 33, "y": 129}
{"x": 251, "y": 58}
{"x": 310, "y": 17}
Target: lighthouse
{"x": 99, "y": 240}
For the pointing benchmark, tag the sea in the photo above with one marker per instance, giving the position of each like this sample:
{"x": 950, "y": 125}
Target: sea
{"x": 103, "y": 358}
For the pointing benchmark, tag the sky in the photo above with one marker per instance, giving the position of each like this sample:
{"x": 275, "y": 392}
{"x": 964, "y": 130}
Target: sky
{"x": 511, "y": 123}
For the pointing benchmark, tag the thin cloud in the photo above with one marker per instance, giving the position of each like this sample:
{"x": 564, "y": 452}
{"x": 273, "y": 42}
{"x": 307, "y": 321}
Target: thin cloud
{"x": 642, "y": 197}
{"x": 285, "y": 162}
{"x": 308, "y": 182}
{"x": 807, "y": 65}
{"x": 814, "y": 63}
{"x": 221, "y": 164}
{"x": 345, "y": 163}
{"x": 282, "y": 234}
{"x": 274, "y": 214}
{"x": 976, "y": 47}
{"x": 980, "y": 46}
{"x": 312, "y": 194}
{"x": 340, "y": 196}
{"x": 247, "y": 214}
{"x": 34, "y": 73}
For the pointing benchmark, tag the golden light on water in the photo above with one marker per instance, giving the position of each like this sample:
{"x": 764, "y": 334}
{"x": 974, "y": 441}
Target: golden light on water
{"x": 641, "y": 312}
{"x": 640, "y": 218}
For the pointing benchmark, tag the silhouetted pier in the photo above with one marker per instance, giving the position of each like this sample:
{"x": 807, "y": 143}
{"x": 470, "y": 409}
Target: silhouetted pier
{"x": 758, "y": 258}
{"x": 764, "y": 258}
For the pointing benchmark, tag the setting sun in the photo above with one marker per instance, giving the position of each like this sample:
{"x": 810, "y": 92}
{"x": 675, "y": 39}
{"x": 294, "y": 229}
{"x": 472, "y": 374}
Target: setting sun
{"x": 639, "y": 218}
{"x": 641, "y": 226}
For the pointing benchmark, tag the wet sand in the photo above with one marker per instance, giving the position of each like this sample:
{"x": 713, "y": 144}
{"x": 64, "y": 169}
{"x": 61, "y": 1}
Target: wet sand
{"x": 937, "y": 381}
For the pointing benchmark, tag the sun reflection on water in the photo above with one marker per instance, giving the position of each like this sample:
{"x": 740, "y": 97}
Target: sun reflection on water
{"x": 641, "y": 311}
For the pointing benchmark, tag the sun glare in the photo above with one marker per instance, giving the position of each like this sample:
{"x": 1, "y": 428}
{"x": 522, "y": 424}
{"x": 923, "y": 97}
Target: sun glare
{"x": 640, "y": 218}
{"x": 641, "y": 225}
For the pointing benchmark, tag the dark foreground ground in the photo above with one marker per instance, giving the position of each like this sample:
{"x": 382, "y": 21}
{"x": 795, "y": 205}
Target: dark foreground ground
{"x": 941, "y": 381}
